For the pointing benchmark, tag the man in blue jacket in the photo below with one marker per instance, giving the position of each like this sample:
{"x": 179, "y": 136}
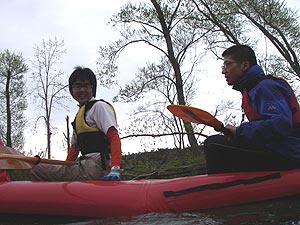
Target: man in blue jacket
{"x": 271, "y": 138}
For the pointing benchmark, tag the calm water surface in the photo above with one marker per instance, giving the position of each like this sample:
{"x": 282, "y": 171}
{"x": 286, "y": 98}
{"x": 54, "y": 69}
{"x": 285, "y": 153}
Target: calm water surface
{"x": 276, "y": 212}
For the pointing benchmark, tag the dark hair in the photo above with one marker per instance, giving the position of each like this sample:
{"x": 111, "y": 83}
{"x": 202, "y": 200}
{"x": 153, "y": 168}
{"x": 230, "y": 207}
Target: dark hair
{"x": 241, "y": 53}
{"x": 82, "y": 73}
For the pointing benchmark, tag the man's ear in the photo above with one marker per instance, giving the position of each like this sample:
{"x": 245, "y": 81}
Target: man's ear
{"x": 246, "y": 65}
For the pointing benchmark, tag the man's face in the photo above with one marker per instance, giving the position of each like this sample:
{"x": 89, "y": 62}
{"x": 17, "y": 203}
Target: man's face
{"x": 233, "y": 70}
{"x": 82, "y": 91}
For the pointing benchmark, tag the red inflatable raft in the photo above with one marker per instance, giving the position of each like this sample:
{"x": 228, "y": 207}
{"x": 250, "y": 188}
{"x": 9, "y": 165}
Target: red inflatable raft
{"x": 125, "y": 198}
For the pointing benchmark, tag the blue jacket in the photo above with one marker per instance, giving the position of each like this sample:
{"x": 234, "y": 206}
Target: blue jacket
{"x": 269, "y": 98}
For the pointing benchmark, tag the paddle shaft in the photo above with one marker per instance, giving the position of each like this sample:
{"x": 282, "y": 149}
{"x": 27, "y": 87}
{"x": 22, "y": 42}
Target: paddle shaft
{"x": 36, "y": 160}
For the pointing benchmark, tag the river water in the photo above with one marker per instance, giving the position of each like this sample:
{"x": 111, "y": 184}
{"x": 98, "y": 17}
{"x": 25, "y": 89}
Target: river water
{"x": 275, "y": 212}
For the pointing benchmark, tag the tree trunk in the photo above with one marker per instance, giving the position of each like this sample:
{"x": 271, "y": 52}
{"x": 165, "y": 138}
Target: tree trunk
{"x": 8, "y": 111}
{"x": 177, "y": 73}
{"x": 68, "y": 134}
{"x": 48, "y": 140}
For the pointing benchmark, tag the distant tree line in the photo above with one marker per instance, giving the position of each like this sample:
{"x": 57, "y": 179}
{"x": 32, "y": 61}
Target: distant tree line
{"x": 45, "y": 90}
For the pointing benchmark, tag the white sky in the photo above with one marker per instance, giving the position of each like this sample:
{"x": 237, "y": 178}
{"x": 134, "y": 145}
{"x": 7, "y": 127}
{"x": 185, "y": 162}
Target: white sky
{"x": 82, "y": 24}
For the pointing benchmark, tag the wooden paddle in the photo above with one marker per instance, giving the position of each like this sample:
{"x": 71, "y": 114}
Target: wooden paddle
{"x": 196, "y": 115}
{"x": 12, "y": 159}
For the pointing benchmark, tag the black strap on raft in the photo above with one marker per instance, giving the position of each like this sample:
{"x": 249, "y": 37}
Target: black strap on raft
{"x": 222, "y": 185}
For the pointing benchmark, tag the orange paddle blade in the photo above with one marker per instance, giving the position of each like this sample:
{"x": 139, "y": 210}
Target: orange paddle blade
{"x": 196, "y": 115}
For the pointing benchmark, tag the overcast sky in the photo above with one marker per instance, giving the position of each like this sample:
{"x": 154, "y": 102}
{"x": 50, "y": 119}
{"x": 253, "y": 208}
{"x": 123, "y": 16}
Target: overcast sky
{"x": 83, "y": 27}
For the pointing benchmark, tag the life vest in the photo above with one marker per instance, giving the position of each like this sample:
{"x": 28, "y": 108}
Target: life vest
{"x": 253, "y": 115}
{"x": 90, "y": 139}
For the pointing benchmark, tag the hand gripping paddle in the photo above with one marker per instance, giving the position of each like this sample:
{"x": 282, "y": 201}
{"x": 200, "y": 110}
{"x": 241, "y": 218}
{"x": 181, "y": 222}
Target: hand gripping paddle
{"x": 196, "y": 115}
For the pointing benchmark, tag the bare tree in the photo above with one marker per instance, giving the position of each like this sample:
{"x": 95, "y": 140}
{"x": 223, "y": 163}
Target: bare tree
{"x": 13, "y": 98}
{"x": 164, "y": 26}
{"x": 50, "y": 88}
{"x": 67, "y": 134}
{"x": 176, "y": 29}
{"x": 236, "y": 20}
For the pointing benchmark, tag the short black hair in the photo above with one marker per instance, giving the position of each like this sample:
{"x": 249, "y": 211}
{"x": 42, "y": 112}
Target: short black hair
{"x": 83, "y": 73}
{"x": 241, "y": 53}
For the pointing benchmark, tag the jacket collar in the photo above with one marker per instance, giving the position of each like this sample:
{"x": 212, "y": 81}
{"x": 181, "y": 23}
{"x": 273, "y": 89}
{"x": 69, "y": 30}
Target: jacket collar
{"x": 252, "y": 74}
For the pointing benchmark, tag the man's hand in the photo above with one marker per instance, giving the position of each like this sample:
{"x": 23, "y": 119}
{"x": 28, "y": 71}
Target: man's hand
{"x": 232, "y": 130}
{"x": 114, "y": 174}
